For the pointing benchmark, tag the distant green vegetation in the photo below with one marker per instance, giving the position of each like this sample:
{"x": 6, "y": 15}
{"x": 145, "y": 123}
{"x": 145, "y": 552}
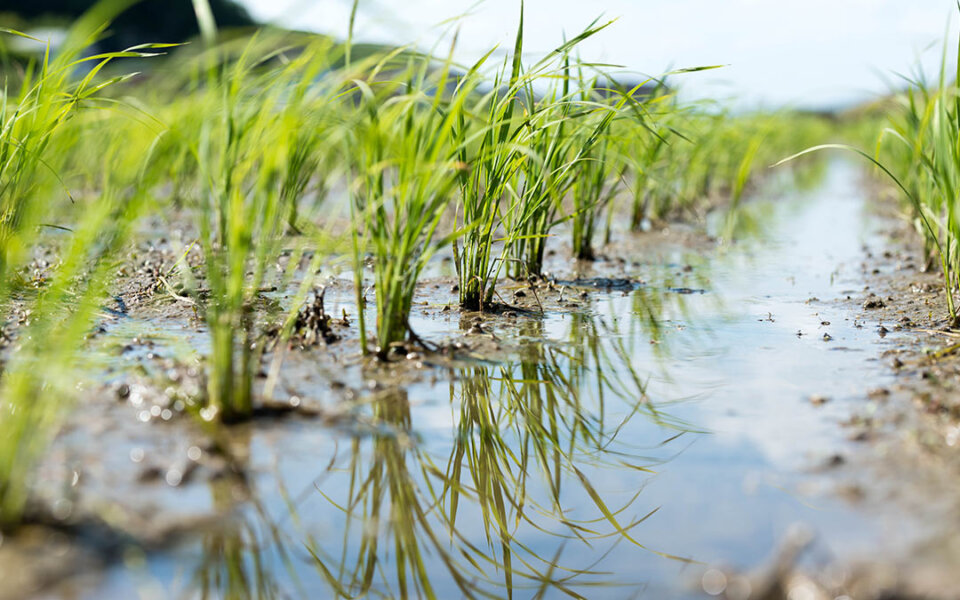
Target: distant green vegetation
{"x": 290, "y": 143}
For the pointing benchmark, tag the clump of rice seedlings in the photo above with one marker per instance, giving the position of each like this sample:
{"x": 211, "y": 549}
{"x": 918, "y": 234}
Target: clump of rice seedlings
{"x": 310, "y": 123}
{"x": 495, "y": 147}
{"x": 569, "y": 140}
{"x": 909, "y": 122}
{"x": 643, "y": 156}
{"x": 739, "y": 184}
{"x": 403, "y": 154}
{"x": 47, "y": 99}
{"x": 932, "y": 179}
{"x": 486, "y": 182}
{"x": 239, "y": 208}
{"x": 917, "y": 148}
{"x": 597, "y": 183}
{"x": 615, "y": 116}
{"x": 251, "y": 171}
{"x": 547, "y": 174}
{"x": 688, "y": 168}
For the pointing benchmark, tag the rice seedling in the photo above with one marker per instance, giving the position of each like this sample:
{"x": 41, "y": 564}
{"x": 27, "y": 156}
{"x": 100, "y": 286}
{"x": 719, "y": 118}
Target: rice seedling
{"x": 593, "y": 191}
{"x": 47, "y": 99}
{"x": 739, "y": 184}
{"x": 254, "y": 163}
{"x": 404, "y": 157}
{"x": 569, "y": 142}
{"x": 643, "y": 156}
{"x": 494, "y": 147}
{"x": 618, "y": 121}
{"x": 307, "y": 114}
{"x": 547, "y": 175}
{"x": 492, "y": 168}
{"x": 235, "y": 215}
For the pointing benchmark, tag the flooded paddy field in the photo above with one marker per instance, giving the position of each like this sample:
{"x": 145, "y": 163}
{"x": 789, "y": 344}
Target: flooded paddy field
{"x": 305, "y": 314}
{"x": 679, "y": 419}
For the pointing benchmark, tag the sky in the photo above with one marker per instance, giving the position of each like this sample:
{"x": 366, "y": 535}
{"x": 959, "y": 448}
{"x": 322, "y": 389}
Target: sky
{"x": 807, "y": 54}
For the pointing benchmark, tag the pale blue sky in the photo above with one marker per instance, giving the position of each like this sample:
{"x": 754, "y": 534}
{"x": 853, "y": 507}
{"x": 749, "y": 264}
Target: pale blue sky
{"x": 817, "y": 53}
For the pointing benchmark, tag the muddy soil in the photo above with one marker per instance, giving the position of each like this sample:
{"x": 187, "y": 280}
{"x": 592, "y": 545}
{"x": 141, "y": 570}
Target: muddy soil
{"x": 910, "y": 429}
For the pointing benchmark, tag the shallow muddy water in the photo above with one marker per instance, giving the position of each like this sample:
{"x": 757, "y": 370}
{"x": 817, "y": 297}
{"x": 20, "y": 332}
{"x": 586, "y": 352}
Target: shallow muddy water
{"x": 633, "y": 442}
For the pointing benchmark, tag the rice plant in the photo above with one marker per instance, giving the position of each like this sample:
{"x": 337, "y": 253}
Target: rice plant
{"x": 252, "y": 171}
{"x": 47, "y": 99}
{"x": 495, "y": 147}
{"x": 569, "y": 145}
{"x": 403, "y": 155}
{"x": 643, "y": 156}
{"x": 310, "y": 123}
{"x": 595, "y": 187}
{"x": 547, "y": 175}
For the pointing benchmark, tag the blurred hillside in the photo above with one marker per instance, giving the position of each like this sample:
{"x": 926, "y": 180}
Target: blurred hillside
{"x": 144, "y": 21}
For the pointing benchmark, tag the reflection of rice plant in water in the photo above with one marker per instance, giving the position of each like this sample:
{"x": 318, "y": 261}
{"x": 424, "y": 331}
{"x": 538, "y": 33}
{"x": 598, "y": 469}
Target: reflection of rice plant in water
{"x": 514, "y": 422}
{"x": 404, "y": 507}
{"x": 392, "y": 516}
{"x": 237, "y": 554}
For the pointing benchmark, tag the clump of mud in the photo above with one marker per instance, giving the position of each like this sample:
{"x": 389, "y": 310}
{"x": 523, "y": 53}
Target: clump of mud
{"x": 312, "y": 325}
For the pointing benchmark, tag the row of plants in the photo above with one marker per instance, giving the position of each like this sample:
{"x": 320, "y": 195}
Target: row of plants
{"x": 288, "y": 143}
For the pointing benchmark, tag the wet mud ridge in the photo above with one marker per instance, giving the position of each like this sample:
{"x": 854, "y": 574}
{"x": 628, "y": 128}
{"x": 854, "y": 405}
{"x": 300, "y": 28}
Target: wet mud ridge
{"x": 684, "y": 420}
